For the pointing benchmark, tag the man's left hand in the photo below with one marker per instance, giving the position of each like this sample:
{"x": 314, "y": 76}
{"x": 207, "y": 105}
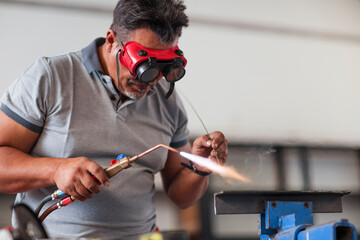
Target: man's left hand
{"x": 212, "y": 146}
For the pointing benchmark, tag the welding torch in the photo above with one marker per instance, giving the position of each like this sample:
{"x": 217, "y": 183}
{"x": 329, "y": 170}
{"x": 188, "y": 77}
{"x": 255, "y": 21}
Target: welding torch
{"x": 122, "y": 162}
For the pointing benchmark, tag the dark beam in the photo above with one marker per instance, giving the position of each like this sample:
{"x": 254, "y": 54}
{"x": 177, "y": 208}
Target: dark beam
{"x": 253, "y": 202}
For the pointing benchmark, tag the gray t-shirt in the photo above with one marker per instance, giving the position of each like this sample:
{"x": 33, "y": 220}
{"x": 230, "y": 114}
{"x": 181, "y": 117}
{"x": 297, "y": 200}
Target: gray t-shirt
{"x": 77, "y": 111}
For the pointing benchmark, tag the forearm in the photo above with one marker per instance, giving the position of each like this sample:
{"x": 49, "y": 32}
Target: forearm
{"x": 187, "y": 188}
{"x": 20, "y": 172}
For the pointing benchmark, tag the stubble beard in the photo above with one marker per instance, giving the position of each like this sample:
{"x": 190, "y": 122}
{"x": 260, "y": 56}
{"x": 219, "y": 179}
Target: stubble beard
{"x": 136, "y": 94}
{"x": 133, "y": 95}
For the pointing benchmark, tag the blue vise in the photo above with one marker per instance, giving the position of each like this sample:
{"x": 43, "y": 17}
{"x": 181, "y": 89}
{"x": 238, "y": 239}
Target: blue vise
{"x": 288, "y": 215}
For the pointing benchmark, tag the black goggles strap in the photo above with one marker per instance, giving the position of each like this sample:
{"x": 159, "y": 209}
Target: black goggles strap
{"x": 117, "y": 69}
{"x": 172, "y": 86}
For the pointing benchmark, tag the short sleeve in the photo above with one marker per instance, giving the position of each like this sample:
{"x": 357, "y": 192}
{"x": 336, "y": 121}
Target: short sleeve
{"x": 26, "y": 100}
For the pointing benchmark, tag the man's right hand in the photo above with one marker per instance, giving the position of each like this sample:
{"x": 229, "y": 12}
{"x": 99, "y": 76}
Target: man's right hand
{"x": 21, "y": 172}
{"x": 76, "y": 177}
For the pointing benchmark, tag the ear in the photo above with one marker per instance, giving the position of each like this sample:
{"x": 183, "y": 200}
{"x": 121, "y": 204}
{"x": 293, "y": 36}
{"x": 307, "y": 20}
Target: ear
{"x": 111, "y": 41}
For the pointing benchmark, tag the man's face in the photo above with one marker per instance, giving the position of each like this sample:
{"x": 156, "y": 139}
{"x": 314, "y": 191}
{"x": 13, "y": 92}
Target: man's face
{"x": 127, "y": 85}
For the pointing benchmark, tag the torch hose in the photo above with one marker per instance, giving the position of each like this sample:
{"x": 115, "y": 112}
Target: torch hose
{"x": 48, "y": 211}
{"x": 42, "y": 203}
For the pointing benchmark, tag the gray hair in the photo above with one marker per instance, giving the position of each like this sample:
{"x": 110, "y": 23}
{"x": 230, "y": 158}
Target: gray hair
{"x": 166, "y": 18}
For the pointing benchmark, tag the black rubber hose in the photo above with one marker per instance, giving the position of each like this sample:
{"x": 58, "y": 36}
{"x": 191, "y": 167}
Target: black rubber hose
{"x": 42, "y": 203}
{"x": 48, "y": 211}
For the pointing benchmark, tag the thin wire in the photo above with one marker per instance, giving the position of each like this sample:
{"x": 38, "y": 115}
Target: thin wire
{"x": 198, "y": 116}
{"x": 193, "y": 108}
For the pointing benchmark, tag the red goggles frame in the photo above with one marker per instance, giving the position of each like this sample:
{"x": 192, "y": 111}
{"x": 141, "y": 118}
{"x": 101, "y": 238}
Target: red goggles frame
{"x": 147, "y": 64}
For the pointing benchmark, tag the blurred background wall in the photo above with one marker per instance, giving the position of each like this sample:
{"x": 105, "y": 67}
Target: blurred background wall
{"x": 279, "y": 78}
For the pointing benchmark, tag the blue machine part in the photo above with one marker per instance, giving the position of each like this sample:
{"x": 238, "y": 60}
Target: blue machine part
{"x": 294, "y": 220}
{"x": 287, "y": 215}
{"x": 337, "y": 230}
{"x": 283, "y": 220}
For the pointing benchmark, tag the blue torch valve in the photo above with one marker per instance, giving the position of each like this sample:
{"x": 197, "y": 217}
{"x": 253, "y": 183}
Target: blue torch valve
{"x": 120, "y": 156}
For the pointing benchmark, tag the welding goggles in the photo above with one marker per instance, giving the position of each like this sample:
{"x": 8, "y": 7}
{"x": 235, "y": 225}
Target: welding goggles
{"x": 148, "y": 64}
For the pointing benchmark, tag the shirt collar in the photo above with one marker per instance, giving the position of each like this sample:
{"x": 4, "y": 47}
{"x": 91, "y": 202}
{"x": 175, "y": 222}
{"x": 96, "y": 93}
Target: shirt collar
{"x": 90, "y": 56}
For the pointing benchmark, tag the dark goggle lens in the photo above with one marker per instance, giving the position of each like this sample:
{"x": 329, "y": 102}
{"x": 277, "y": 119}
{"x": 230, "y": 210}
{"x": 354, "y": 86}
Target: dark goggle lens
{"x": 175, "y": 74}
{"x": 146, "y": 74}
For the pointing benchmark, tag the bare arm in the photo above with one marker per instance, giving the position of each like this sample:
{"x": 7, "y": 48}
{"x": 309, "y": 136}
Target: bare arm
{"x": 21, "y": 172}
{"x": 183, "y": 186}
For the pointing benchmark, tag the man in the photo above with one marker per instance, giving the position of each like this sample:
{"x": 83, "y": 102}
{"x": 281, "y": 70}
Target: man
{"x": 66, "y": 117}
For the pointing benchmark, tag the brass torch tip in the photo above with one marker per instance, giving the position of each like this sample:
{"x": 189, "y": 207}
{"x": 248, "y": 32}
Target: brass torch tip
{"x": 134, "y": 158}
